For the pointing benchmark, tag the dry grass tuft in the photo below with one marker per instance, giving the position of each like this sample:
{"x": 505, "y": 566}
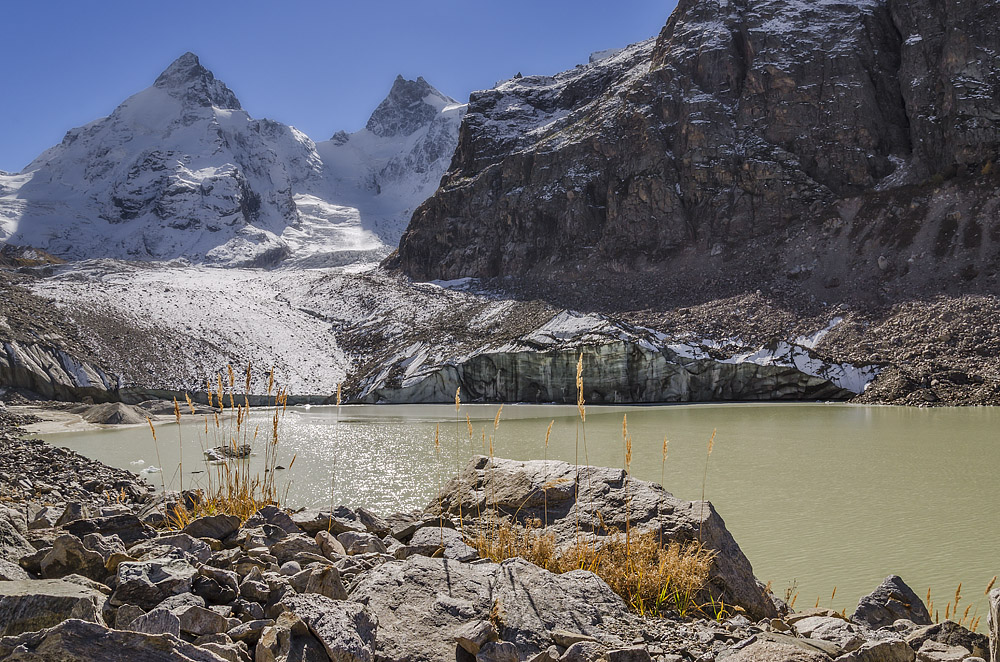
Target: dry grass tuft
{"x": 233, "y": 487}
{"x": 653, "y": 579}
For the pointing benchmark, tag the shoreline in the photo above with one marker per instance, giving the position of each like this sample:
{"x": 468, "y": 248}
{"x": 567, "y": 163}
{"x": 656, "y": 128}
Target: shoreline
{"x": 53, "y": 417}
{"x": 305, "y": 568}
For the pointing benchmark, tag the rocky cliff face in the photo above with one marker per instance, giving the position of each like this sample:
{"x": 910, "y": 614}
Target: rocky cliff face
{"x": 842, "y": 145}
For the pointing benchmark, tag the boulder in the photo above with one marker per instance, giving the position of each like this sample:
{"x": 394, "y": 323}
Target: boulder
{"x": 289, "y": 640}
{"x": 772, "y": 651}
{"x": 73, "y": 512}
{"x": 126, "y": 615}
{"x": 890, "y": 601}
{"x": 28, "y": 606}
{"x": 583, "y": 651}
{"x": 404, "y": 525}
{"x": 45, "y": 518}
{"x": 68, "y": 556}
{"x": 12, "y": 572}
{"x": 474, "y": 635}
{"x": 197, "y": 549}
{"x": 274, "y": 516}
{"x": 828, "y": 628}
{"x": 361, "y": 542}
{"x": 521, "y": 490}
{"x": 324, "y": 580}
{"x": 891, "y": 650}
{"x": 440, "y": 541}
{"x": 255, "y": 590}
{"x": 106, "y": 546}
{"x": 330, "y": 546}
{"x": 932, "y": 651}
{"x": 287, "y": 548}
{"x": 13, "y": 545}
{"x": 199, "y": 621}
{"x": 498, "y": 651}
{"x": 147, "y": 583}
{"x": 529, "y": 601}
{"x": 86, "y": 582}
{"x": 631, "y": 654}
{"x": 250, "y": 631}
{"x": 128, "y": 528}
{"x": 81, "y": 641}
{"x": 157, "y": 621}
{"x": 314, "y": 521}
{"x": 229, "y": 651}
{"x": 421, "y": 602}
{"x": 951, "y": 634}
{"x": 219, "y": 527}
{"x": 182, "y": 600}
{"x": 212, "y": 591}
{"x": 346, "y": 629}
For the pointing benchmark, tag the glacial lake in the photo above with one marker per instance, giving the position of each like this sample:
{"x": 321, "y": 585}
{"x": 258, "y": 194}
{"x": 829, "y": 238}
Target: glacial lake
{"x": 817, "y": 495}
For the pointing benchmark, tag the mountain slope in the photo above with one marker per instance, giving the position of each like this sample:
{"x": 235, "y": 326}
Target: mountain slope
{"x": 180, "y": 170}
{"x": 836, "y": 148}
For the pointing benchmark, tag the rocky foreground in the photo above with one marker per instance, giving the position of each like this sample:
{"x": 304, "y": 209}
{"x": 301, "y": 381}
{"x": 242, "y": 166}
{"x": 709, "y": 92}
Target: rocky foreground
{"x": 90, "y": 572}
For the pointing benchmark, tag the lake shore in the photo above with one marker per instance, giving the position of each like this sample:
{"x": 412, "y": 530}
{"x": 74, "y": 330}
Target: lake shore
{"x": 350, "y": 580}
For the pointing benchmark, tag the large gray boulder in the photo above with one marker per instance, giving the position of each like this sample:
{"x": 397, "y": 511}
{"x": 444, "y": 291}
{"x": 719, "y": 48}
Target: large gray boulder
{"x": 289, "y": 640}
{"x": 441, "y": 541}
{"x": 423, "y": 603}
{"x": 12, "y": 572}
{"x": 68, "y": 556}
{"x": 28, "y": 606}
{"x": 81, "y": 641}
{"x": 890, "y": 601}
{"x": 157, "y": 621}
{"x": 529, "y": 602}
{"x": 522, "y": 489}
{"x": 420, "y": 603}
{"x": 847, "y": 636}
{"x": 772, "y": 651}
{"x": 213, "y": 526}
{"x": 346, "y": 629}
{"x": 197, "y": 549}
{"x": 888, "y": 650}
{"x": 148, "y": 583}
{"x": 13, "y": 545}
{"x": 950, "y": 633}
{"x": 127, "y": 527}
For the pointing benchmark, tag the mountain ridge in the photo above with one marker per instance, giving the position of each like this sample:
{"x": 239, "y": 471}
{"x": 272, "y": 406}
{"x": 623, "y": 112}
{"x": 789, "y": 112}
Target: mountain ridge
{"x": 181, "y": 170}
{"x": 759, "y": 144}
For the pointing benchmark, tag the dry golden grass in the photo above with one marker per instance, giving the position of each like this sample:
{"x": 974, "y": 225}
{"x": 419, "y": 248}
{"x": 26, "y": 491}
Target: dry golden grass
{"x": 951, "y": 609}
{"x": 650, "y": 577}
{"x": 233, "y": 488}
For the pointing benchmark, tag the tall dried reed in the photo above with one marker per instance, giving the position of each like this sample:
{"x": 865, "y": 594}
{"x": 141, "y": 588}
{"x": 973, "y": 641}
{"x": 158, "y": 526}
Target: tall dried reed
{"x": 232, "y": 486}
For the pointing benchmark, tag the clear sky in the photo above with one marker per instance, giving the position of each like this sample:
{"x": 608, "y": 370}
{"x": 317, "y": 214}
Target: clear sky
{"x": 319, "y": 66}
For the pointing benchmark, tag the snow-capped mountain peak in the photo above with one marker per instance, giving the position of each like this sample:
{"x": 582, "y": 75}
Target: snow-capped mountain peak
{"x": 410, "y": 106}
{"x": 180, "y": 170}
{"x": 186, "y": 79}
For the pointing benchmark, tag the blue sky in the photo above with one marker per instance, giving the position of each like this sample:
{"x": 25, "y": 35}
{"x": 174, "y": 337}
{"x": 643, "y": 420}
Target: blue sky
{"x": 320, "y": 66}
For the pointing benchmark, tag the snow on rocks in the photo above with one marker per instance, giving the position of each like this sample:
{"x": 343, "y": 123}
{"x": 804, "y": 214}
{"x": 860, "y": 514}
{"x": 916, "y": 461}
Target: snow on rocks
{"x": 181, "y": 170}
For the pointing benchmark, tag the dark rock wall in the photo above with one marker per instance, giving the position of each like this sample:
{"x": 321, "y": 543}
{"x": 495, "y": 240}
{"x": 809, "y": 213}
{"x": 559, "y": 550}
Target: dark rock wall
{"x": 745, "y": 120}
